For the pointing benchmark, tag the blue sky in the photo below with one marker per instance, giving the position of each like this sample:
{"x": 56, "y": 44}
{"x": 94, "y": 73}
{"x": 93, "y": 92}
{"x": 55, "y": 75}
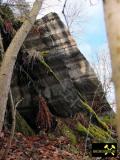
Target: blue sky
{"x": 94, "y": 33}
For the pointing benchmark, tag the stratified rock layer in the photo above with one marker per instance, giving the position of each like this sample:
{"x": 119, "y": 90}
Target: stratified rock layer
{"x": 73, "y": 72}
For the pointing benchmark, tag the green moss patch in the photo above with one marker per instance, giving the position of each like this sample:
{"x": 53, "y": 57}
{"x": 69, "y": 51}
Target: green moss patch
{"x": 49, "y": 69}
{"x": 86, "y": 109}
{"x": 95, "y": 132}
{"x": 69, "y": 134}
{"x": 110, "y": 120}
{"x": 99, "y": 134}
{"x": 83, "y": 131}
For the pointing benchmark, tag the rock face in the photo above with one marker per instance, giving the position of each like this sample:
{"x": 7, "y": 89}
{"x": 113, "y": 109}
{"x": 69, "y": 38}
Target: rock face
{"x": 75, "y": 78}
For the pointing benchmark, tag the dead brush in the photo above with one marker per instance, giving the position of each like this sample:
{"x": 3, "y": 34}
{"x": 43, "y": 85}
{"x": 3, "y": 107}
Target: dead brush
{"x": 44, "y": 117}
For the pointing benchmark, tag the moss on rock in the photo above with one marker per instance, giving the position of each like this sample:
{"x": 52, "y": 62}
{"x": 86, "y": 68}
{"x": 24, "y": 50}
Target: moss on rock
{"x": 100, "y": 134}
{"x": 74, "y": 129}
{"x": 69, "y": 134}
{"x": 83, "y": 131}
{"x": 22, "y": 126}
{"x": 110, "y": 120}
{"x": 94, "y": 132}
{"x": 86, "y": 109}
{"x": 42, "y": 61}
{"x": 65, "y": 130}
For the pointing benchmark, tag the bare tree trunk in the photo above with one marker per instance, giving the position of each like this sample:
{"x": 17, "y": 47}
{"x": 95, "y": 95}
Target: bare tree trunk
{"x": 112, "y": 18}
{"x": 7, "y": 65}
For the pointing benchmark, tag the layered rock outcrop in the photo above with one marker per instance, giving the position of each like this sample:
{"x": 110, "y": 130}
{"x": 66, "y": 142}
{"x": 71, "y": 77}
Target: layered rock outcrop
{"x": 73, "y": 77}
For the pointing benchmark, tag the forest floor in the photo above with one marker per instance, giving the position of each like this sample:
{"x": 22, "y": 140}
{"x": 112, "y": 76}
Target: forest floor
{"x": 43, "y": 147}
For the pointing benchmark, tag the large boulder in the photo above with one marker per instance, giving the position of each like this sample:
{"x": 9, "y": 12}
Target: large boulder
{"x": 64, "y": 81}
